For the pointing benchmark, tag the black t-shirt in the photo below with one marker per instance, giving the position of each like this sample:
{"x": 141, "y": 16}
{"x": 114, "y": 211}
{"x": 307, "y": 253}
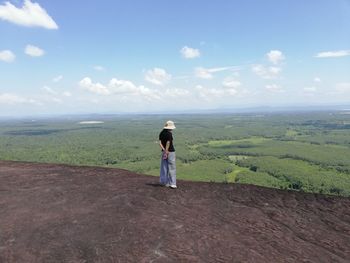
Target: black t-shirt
{"x": 164, "y": 136}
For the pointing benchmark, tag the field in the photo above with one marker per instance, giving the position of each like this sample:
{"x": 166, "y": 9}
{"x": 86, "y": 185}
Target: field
{"x": 302, "y": 151}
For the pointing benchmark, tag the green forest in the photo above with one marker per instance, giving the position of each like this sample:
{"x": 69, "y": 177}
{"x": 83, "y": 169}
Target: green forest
{"x": 307, "y": 151}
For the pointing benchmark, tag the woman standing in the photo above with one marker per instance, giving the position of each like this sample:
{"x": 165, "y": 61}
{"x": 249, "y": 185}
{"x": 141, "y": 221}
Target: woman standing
{"x": 167, "y": 166}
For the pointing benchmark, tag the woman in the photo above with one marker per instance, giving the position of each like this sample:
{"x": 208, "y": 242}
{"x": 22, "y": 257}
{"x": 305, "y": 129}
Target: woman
{"x": 167, "y": 166}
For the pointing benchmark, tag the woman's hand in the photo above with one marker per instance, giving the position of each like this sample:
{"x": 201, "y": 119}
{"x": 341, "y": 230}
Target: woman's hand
{"x": 165, "y": 155}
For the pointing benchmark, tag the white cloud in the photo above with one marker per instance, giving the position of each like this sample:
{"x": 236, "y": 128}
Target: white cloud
{"x": 203, "y": 73}
{"x": 119, "y": 87}
{"x": 207, "y": 73}
{"x": 188, "y": 52}
{"x": 232, "y": 92}
{"x": 310, "y": 89}
{"x": 56, "y": 100}
{"x": 317, "y": 80}
{"x": 333, "y": 54}
{"x": 58, "y": 78}
{"x": 208, "y": 93}
{"x": 97, "y": 88}
{"x": 157, "y": 76}
{"x": 99, "y": 68}
{"x": 34, "y": 51}
{"x": 275, "y": 56}
{"x": 273, "y": 88}
{"x": 122, "y": 86}
{"x": 212, "y": 94}
{"x": 30, "y": 15}
{"x": 266, "y": 72}
{"x": 7, "y": 56}
{"x": 127, "y": 87}
{"x": 54, "y": 94}
{"x": 339, "y": 90}
{"x": 11, "y": 99}
{"x": 49, "y": 90}
{"x": 231, "y": 83}
{"x": 231, "y": 86}
{"x": 176, "y": 92}
{"x": 343, "y": 87}
{"x": 274, "y": 70}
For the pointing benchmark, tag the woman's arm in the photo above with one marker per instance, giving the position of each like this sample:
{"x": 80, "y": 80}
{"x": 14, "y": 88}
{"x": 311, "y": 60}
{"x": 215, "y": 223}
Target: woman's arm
{"x": 166, "y": 149}
{"x": 161, "y": 146}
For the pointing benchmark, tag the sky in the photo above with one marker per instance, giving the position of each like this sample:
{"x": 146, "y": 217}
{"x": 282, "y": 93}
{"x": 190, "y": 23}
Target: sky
{"x": 111, "y": 56}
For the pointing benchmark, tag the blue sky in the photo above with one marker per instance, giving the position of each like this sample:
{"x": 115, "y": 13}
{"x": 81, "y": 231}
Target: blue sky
{"x": 77, "y": 56}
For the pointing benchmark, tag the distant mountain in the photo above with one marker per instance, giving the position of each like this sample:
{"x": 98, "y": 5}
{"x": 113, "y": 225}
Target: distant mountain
{"x": 227, "y": 110}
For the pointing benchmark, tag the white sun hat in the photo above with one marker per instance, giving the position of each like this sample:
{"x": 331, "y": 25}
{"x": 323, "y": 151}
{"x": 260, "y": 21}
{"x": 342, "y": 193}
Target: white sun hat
{"x": 169, "y": 125}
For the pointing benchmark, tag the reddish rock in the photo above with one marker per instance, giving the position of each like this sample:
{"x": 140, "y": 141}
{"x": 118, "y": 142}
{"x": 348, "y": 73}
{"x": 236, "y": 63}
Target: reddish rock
{"x": 60, "y": 213}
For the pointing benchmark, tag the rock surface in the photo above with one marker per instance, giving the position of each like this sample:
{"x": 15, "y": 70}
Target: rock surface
{"x": 60, "y": 213}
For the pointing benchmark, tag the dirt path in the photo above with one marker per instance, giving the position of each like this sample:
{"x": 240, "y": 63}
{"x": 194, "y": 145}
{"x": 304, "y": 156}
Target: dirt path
{"x": 58, "y": 213}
